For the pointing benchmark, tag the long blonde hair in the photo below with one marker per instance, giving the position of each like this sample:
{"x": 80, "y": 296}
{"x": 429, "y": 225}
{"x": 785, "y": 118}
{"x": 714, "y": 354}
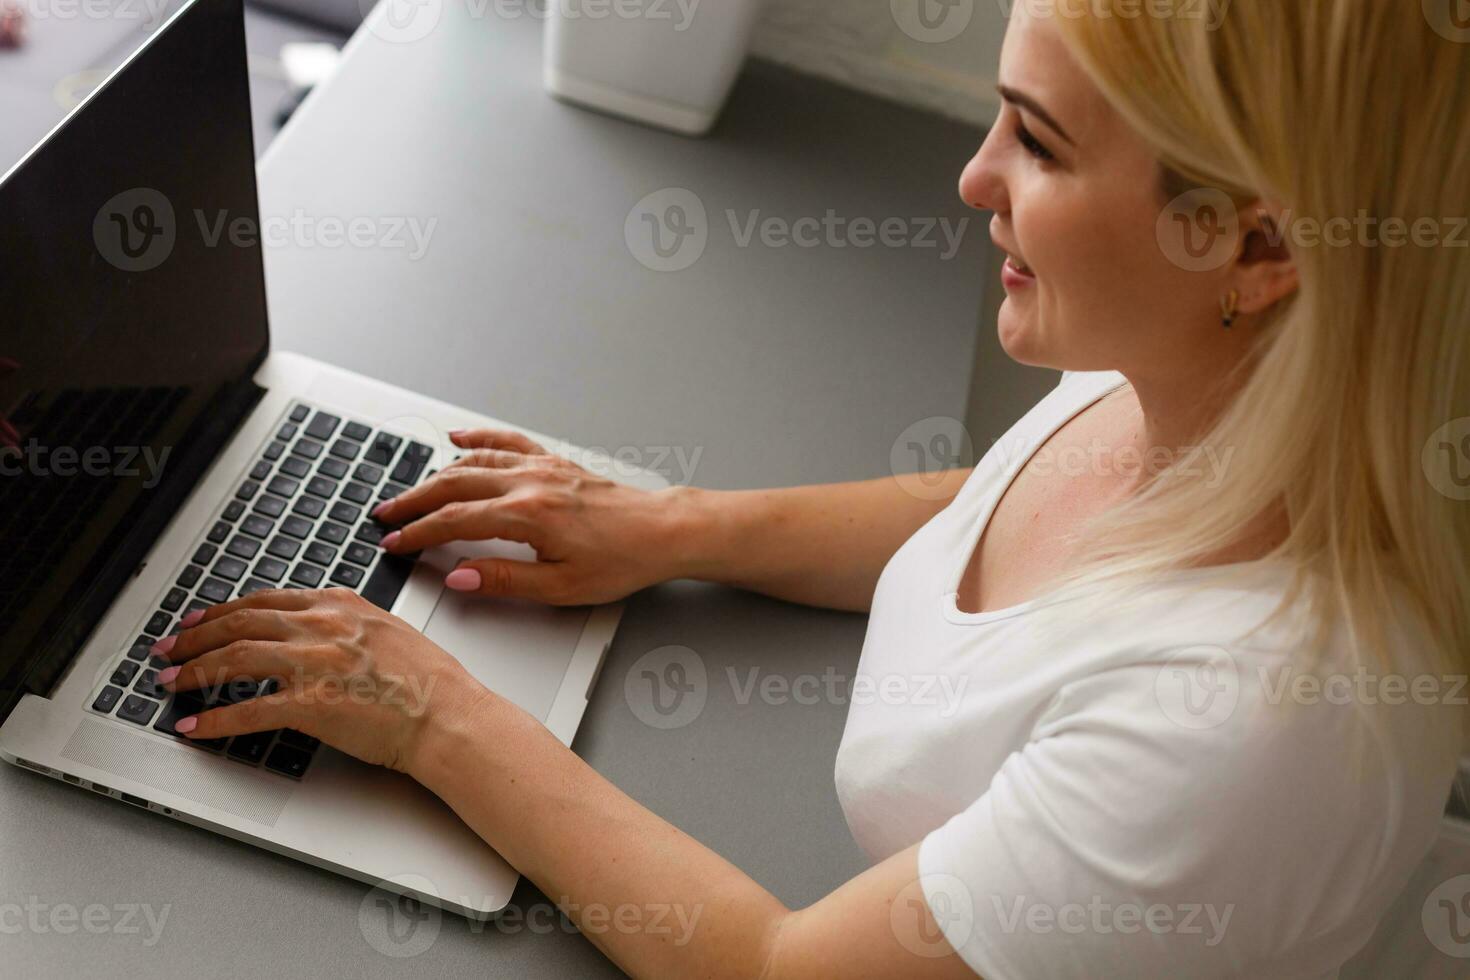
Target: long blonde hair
{"x": 1331, "y": 108}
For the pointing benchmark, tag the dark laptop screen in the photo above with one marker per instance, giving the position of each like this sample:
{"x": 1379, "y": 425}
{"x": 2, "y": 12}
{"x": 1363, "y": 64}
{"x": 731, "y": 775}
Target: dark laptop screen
{"x": 128, "y": 332}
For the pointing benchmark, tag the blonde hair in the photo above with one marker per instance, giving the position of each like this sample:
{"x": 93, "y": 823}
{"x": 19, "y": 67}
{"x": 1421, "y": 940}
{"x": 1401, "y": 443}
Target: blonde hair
{"x": 1329, "y": 108}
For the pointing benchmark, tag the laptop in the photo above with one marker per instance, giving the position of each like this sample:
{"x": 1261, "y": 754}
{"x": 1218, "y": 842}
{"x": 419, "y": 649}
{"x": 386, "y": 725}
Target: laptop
{"x": 156, "y": 457}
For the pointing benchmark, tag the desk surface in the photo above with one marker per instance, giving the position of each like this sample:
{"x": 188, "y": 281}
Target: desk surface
{"x": 765, "y": 366}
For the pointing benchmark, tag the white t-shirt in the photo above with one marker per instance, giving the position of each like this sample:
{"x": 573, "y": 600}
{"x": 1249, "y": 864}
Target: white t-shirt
{"x": 1133, "y": 792}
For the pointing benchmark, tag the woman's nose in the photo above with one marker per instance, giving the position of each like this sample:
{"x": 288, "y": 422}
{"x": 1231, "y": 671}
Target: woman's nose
{"x": 981, "y": 185}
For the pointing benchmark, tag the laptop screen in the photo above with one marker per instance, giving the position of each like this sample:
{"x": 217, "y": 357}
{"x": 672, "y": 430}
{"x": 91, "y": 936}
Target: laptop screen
{"x": 132, "y": 316}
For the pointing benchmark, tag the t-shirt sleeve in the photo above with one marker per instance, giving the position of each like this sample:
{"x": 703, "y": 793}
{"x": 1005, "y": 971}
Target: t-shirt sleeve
{"x": 1150, "y": 829}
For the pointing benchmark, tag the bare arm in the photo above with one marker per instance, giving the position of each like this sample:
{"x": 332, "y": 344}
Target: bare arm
{"x": 598, "y": 541}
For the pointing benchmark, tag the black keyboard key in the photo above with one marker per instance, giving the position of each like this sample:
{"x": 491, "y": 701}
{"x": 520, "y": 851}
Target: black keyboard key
{"x": 253, "y": 585}
{"x": 139, "y": 711}
{"x": 333, "y": 467}
{"x": 284, "y": 486}
{"x": 158, "y": 624}
{"x": 141, "y": 648}
{"x": 195, "y": 606}
{"x": 357, "y": 432}
{"x": 287, "y": 432}
{"x": 175, "y": 599}
{"x": 357, "y": 493}
{"x": 382, "y": 450}
{"x": 149, "y": 687}
{"x": 189, "y": 577}
{"x": 308, "y": 575}
{"x": 360, "y": 554}
{"x": 288, "y": 761}
{"x": 250, "y": 748}
{"x": 283, "y": 547}
{"x": 345, "y": 513}
{"x": 346, "y": 449}
{"x": 107, "y": 700}
{"x": 299, "y": 413}
{"x": 271, "y": 507}
{"x": 291, "y": 737}
{"x": 219, "y": 532}
{"x": 296, "y": 527}
{"x": 232, "y": 569}
{"x": 233, "y": 510}
{"x": 124, "y": 674}
{"x": 215, "y": 591}
{"x": 185, "y": 705}
{"x": 274, "y": 450}
{"x": 308, "y": 448}
{"x": 206, "y": 553}
{"x": 248, "y": 490}
{"x": 391, "y": 490}
{"x": 415, "y": 458}
{"x": 322, "y": 426}
{"x": 332, "y": 533}
{"x": 295, "y": 466}
{"x": 368, "y": 473}
{"x": 322, "y": 554}
{"x": 348, "y": 575}
{"x": 243, "y": 547}
{"x": 372, "y": 532}
{"x": 257, "y": 527}
{"x": 309, "y": 507}
{"x": 271, "y": 568}
{"x": 320, "y": 486}
{"x": 260, "y": 470}
{"x": 387, "y": 580}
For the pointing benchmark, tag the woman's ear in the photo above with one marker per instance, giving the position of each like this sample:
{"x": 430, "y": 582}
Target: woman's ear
{"x": 1264, "y": 272}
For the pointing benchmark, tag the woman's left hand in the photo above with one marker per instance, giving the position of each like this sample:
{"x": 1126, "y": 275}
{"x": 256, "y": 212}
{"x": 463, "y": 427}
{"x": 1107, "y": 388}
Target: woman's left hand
{"x": 358, "y": 678}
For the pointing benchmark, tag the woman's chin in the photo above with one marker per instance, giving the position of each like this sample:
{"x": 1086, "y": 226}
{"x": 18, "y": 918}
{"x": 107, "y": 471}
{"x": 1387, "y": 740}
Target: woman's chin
{"x": 1019, "y": 337}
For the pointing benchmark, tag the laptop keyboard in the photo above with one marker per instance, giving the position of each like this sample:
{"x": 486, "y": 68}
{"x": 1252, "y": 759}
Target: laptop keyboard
{"x": 299, "y": 519}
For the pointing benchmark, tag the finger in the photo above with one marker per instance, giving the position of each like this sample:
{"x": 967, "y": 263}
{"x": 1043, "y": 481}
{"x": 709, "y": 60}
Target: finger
{"x": 279, "y": 710}
{"x": 284, "y": 600}
{"x": 458, "y": 521}
{"x": 214, "y": 632}
{"x": 254, "y": 660}
{"x": 495, "y": 459}
{"x": 446, "y": 487}
{"x": 535, "y": 580}
{"x": 496, "y": 439}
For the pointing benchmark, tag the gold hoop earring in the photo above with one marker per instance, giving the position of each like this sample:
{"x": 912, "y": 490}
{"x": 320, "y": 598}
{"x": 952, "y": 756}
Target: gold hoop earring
{"x": 1229, "y": 308}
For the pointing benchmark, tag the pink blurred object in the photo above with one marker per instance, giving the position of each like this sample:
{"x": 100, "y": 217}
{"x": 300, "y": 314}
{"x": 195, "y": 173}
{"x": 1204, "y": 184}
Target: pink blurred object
{"x": 12, "y": 24}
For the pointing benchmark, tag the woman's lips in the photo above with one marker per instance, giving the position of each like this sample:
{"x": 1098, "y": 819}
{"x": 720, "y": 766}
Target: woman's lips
{"x": 1015, "y": 276}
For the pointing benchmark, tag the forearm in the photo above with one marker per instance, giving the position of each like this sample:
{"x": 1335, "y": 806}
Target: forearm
{"x": 819, "y": 545}
{"x": 653, "y": 899}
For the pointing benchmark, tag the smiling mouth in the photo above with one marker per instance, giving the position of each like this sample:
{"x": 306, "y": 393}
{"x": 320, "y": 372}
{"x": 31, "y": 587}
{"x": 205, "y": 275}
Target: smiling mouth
{"x": 1018, "y": 267}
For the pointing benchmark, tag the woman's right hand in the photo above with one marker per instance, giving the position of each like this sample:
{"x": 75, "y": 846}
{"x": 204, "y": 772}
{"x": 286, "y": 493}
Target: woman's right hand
{"x": 596, "y": 541}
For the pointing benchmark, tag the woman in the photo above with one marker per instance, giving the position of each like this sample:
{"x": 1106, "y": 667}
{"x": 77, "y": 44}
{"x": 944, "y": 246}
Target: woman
{"x": 1134, "y": 782}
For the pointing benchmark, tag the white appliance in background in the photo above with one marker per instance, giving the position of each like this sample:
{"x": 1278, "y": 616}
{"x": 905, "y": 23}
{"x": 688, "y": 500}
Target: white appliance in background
{"x": 667, "y": 63}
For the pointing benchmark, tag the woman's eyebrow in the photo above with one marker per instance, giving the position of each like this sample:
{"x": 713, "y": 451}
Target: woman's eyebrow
{"x": 1034, "y": 107}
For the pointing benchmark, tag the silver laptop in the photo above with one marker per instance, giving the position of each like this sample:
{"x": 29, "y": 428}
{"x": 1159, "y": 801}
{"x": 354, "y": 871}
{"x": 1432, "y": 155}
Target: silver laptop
{"x": 157, "y": 457}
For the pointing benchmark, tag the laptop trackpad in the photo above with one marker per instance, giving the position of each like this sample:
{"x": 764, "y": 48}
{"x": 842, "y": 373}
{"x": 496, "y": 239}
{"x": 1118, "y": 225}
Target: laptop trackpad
{"x": 520, "y": 650}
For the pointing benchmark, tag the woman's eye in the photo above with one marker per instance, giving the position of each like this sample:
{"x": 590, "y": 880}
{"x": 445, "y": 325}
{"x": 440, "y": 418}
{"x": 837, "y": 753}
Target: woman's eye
{"x": 1031, "y": 143}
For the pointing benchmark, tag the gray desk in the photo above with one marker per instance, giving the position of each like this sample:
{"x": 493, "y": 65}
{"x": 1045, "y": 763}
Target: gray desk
{"x": 778, "y": 366}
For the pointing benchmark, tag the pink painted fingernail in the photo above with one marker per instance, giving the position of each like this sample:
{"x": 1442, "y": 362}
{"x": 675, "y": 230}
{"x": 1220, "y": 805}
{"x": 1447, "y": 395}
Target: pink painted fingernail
{"x": 458, "y": 433}
{"x": 164, "y": 676}
{"x": 390, "y": 541}
{"x": 381, "y": 507}
{"x": 192, "y": 618}
{"x": 463, "y": 580}
{"x": 187, "y": 725}
{"x": 165, "y": 645}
